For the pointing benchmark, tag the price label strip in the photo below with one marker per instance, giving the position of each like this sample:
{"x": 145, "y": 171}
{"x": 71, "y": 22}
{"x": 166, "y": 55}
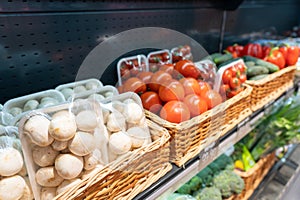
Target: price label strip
{"x": 208, "y": 154}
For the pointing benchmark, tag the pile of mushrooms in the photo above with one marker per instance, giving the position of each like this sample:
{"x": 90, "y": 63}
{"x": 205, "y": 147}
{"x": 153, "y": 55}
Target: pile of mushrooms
{"x": 64, "y": 149}
{"x": 14, "y": 182}
{"x": 126, "y": 126}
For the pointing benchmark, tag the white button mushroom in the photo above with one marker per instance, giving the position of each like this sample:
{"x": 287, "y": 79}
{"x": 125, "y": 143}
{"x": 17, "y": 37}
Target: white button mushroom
{"x": 63, "y": 125}
{"x": 92, "y": 159}
{"x": 12, "y": 188}
{"x": 82, "y": 143}
{"x": 67, "y": 92}
{"x": 48, "y": 177}
{"x": 86, "y": 120}
{"x": 36, "y": 128}
{"x": 23, "y": 171}
{"x": 105, "y": 114}
{"x": 79, "y": 89}
{"x": 28, "y": 194}
{"x": 133, "y": 113}
{"x": 68, "y": 166}
{"x": 67, "y": 184}
{"x": 91, "y": 85}
{"x": 139, "y": 136}
{"x": 118, "y": 105}
{"x": 15, "y": 111}
{"x": 11, "y": 161}
{"x": 31, "y": 105}
{"x": 59, "y": 145}
{"x": 116, "y": 122}
{"x": 44, "y": 156}
{"x": 96, "y": 97}
{"x": 120, "y": 143}
{"x": 48, "y": 193}
{"x": 102, "y": 138}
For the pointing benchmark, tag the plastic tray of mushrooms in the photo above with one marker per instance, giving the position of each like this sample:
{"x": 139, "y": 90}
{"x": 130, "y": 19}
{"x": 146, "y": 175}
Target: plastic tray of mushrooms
{"x": 61, "y": 144}
{"x": 14, "y": 182}
{"x": 78, "y": 87}
{"x": 17, "y": 107}
{"x": 98, "y": 94}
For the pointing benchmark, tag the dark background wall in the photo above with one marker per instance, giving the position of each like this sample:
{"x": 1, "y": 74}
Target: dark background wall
{"x": 43, "y": 43}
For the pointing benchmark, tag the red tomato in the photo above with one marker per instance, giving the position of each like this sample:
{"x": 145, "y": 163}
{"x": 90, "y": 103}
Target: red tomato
{"x": 157, "y": 79}
{"x": 151, "y": 101}
{"x": 145, "y": 76}
{"x": 134, "y": 71}
{"x": 125, "y": 73}
{"x": 241, "y": 67}
{"x": 226, "y": 77}
{"x": 120, "y": 88}
{"x": 213, "y": 98}
{"x": 134, "y": 84}
{"x": 196, "y": 104}
{"x": 165, "y": 57}
{"x": 172, "y": 90}
{"x": 243, "y": 78}
{"x": 224, "y": 89}
{"x": 235, "y": 83}
{"x": 234, "y": 71}
{"x": 169, "y": 68}
{"x": 232, "y": 93}
{"x": 191, "y": 86}
{"x": 175, "y": 112}
{"x": 153, "y": 67}
{"x": 188, "y": 69}
{"x": 204, "y": 87}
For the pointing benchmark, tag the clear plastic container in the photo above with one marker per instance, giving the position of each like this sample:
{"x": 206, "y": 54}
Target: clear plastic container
{"x": 17, "y": 107}
{"x": 79, "y": 87}
{"x": 181, "y": 53}
{"x": 71, "y": 136}
{"x": 131, "y": 66}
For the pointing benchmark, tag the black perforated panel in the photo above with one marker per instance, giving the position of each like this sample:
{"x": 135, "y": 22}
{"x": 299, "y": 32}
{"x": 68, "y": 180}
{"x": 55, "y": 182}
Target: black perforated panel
{"x": 41, "y": 50}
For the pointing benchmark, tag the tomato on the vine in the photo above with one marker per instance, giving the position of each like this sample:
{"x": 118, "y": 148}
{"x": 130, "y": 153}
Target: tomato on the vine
{"x": 157, "y": 79}
{"x": 165, "y": 57}
{"x": 241, "y": 68}
{"x": 213, "y": 98}
{"x": 175, "y": 112}
{"x": 234, "y": 71}
{"x": 243, "y": 78}
{"x": 234, "y": 92}
{"x": 191, "y": 86}
{"x": 169, "y": 68}
{"x": 235, "y": 83}
{"x": 226, "y": 77}
{"x": 151, "y": 101}
{"x": 134, "y": 84}
{"x": 224, "y": 89}
{"x": 172, "y": 90}
{"x": 196, "y": 104}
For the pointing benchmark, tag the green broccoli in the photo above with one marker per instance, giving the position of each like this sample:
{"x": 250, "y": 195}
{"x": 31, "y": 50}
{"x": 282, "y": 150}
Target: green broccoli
{"x": 209, "y": 193}
{"x": 215, "y": 168}
{"x": 228, "y": 183}
{"x": 206, "y": 176}
{"x": 195, "y": 183}
{"x": 184, "y": 189}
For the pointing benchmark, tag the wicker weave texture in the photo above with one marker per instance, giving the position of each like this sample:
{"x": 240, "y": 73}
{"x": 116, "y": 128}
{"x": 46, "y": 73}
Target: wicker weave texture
{"x": 271, "y": 87}
{"x": 129, "y": 175}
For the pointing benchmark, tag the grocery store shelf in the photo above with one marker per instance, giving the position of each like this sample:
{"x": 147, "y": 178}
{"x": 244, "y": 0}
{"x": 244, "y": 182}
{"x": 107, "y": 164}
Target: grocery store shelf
{"x": 178, "y": 176}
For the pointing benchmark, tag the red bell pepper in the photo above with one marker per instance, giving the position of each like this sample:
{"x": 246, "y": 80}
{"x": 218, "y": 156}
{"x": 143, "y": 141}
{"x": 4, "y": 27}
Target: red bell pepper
{"x": 292, "y": 55}
{"x": 276, "y": 57}
{"x": 236, "y": 50}
{"x": 254, "y": 50}
{"x": 266, "y": 50}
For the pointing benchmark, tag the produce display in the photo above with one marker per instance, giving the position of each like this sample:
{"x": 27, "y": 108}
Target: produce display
{"x": 181, "y": 53}
{"x": 70, "y": 89}
{"x": 13, "y": 173}
{"x": 17, "y": 107}
{"x": 215, "y": 182}
{"x": 157, "y": 59}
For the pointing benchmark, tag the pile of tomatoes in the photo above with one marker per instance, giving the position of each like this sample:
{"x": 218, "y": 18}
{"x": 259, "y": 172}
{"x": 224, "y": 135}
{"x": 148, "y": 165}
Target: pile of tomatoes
{"x": 175, "y": 92}
{"x": 233, "y": 79}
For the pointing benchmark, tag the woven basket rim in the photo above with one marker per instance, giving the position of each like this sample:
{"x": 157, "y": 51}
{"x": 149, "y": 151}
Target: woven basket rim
{"x": 120, "y": 163}
{"x": 271, "y": 76}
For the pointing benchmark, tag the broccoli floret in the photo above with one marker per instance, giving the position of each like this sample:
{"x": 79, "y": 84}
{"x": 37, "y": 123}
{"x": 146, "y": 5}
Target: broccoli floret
{"x": 228, "y": 183}
{"x": 184, "y": 189}
{"x": 215, "y": 168}
{"x": 230, "y": 167}
{"x": 223, "y": 160}
{"x": 206, "y": 176}
{"x": 195, "y": 183}
{"x": 209, "y": 193}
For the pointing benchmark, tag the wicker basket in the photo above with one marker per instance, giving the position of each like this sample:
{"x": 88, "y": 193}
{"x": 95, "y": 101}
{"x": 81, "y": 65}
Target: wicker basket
{"x": 271, "y": 87}
{"x": 237, "y": 109}
{"x": 190, "y": 137}
{"x": 254, "y": 176}
{"x": 130, "y": 174}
